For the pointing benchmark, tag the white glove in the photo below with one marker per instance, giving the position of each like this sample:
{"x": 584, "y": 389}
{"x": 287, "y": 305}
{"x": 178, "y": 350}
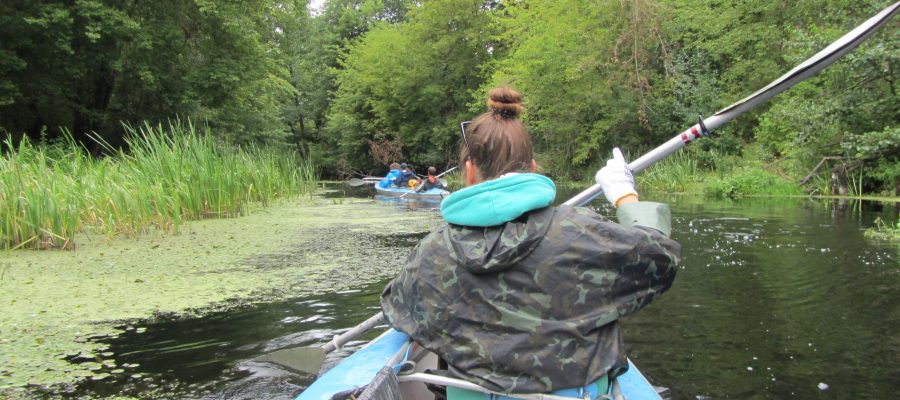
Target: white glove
{"x": 616, "y": 179}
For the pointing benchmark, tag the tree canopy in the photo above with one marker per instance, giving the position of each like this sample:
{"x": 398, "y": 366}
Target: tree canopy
{"x": 358, "y": 83}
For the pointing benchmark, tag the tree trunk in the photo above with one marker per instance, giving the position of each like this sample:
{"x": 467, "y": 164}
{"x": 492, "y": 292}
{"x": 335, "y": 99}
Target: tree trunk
{"x": 839, "y": 181}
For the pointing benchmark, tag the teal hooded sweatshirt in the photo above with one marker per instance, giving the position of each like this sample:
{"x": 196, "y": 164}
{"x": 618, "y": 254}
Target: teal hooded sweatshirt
{"x": 498, "y": 201}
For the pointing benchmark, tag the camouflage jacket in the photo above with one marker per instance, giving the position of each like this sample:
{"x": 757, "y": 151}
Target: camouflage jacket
{"x": 531, "y": 306}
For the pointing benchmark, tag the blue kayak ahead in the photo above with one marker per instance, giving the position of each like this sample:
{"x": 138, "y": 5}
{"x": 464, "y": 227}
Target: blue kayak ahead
{"x": 431, "y": 194}
{"x": 393, "y": 367}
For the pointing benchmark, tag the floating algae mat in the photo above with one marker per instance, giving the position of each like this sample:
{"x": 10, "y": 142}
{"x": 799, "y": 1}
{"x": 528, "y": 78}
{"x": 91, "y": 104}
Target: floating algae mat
{"x": 56, "y": 302}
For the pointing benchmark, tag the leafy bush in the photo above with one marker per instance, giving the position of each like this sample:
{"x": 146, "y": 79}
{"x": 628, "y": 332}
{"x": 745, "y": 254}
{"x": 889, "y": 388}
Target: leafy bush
{"x": 749, "y": 181}
{"x": 880, "y": 153}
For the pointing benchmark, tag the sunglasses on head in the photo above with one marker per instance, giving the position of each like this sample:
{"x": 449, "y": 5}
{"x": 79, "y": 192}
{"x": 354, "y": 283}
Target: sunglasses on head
{"x": 463, "y": 126}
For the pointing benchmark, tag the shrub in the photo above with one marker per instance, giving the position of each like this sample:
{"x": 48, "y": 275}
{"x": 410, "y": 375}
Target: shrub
{"x": 748, "y": 181}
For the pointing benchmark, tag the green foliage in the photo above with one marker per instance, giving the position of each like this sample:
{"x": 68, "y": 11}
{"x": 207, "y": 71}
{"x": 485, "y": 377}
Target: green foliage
{"x": 691, "y": 88}
{"x": 879, "y": 155}
{"x": 749, "y": 181}
{"x": 586, "y": 70}
{"x": 849, "y": 110}
{"x": 88, "y": 65}
{"x": 735, "y": 38}
{"x": 595, "y": 74}
{"x": 706, "y": 171}
{"x": 171, "y": 174}
{"x": 454, "y": 181}
{"x": 312, "y": 49}
{"x": 409, "y": 82}
{"x": 679, "y": 173}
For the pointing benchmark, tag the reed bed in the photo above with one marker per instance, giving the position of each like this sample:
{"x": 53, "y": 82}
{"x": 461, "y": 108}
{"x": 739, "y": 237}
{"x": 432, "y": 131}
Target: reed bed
{"x": 170, "y": 174}
{"x": 712, "y": 174}
{"x": 677, "y": 173}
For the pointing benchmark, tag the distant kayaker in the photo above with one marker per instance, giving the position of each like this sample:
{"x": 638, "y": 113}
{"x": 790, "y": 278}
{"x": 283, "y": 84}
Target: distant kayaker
{"x": 406, "y": 174}
{"x": 431, "y": 181}
{"x": 391, "y": 178}
{"x": 518, "y": 296}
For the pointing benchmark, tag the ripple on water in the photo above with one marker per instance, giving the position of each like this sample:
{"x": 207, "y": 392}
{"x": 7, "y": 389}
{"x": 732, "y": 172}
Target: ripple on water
{"x": 788, "y": 298}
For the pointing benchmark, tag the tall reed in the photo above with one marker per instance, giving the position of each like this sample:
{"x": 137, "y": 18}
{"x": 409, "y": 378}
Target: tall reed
{"x": 170, "y": 173}
{"x": 674, "y": 174}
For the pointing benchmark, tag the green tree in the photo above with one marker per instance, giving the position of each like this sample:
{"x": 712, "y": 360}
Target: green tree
{"x": 312, "y": 48}
{"x": 409, "y": 83}
{"x": 88, "y": 65}
{"x": 59, "y": 65}
{"x": 587, "y": 71}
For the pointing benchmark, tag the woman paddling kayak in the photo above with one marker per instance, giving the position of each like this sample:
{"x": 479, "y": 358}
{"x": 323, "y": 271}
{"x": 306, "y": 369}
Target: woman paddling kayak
{"x": 520, "y": 297}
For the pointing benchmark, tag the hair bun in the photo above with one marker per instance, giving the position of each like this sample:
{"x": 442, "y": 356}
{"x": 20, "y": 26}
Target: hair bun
{"x": 505, "y": 102}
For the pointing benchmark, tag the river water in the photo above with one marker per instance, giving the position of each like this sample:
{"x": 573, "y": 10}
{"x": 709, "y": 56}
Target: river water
{"x": 775, "y": 298}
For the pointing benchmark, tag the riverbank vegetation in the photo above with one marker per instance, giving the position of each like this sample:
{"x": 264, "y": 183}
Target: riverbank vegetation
{"x": 699, "y": 171}
{"x": 170, "y": 173}
{"x": 343, "y": 82}
{"x": 884, "y": 230}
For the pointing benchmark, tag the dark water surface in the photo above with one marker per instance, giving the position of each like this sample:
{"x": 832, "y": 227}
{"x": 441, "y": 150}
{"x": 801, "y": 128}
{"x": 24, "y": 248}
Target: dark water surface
{"x": 776, "y": 298}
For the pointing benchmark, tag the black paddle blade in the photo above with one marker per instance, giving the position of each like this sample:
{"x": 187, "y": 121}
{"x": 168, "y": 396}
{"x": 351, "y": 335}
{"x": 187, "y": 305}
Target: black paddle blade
{"x": 304, "y": 360}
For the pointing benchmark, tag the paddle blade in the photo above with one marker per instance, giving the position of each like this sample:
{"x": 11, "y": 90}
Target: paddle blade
{"x": 369, "y": 180}
{"x": 304, "y": 360}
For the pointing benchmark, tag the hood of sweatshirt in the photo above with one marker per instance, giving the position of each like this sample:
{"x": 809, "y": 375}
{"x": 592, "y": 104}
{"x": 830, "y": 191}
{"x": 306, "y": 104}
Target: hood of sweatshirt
{"x": 497, "y": 201}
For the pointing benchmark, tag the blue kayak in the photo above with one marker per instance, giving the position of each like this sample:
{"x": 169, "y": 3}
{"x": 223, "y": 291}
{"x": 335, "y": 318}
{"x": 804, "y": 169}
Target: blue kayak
{"x": 431, "y": 194}
{"x": 393, "y": 367}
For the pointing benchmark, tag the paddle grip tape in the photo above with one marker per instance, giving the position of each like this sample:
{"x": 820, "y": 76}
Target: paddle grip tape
{"x": 695, "y": 132}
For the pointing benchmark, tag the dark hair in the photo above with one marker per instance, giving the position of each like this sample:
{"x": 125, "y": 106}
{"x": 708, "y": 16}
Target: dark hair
{"x": 497, "y": 139}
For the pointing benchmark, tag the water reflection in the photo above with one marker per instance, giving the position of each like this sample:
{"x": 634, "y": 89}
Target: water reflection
{"x": 410, "y": 204}
{"x": 212, "y": 357}
{"x": 775, "y": 298}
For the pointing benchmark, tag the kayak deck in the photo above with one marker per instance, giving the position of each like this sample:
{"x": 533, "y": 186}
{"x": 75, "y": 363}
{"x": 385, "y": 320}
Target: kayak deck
{"x": 393, "y": 347}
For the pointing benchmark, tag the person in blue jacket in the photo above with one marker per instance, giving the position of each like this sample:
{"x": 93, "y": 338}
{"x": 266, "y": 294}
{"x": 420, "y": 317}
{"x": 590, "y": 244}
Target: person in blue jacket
{"x": 406, "y": 174}
{"x": 391, "y": 177}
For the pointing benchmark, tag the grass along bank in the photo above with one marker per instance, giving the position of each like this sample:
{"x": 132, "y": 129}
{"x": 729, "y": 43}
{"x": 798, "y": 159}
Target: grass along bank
{"x": 711, "y": 173}
{"x": 706, "y": 172}
{"x": 170, "y": 174}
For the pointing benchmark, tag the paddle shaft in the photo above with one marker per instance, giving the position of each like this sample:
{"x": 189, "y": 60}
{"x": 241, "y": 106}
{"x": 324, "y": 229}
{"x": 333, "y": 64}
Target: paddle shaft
{"x": 423, "y": 183}
{"x": 342, "y": 339}
{"x": 447, "y": 171}
{"x": 805, "y": 70}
